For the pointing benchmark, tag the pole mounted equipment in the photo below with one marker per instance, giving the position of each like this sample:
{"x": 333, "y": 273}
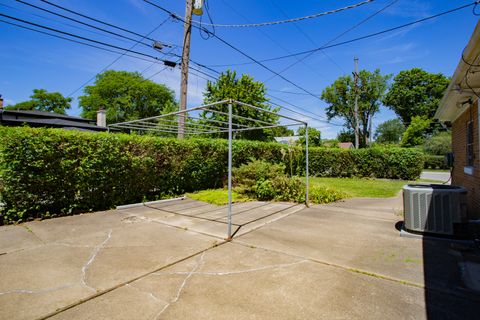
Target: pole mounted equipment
{"x": 197, "y": 7}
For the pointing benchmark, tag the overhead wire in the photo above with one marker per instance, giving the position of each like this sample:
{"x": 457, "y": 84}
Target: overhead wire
{"x": 309, "y": 38}
{"x": 80, "y": 37}
{"x": 119, "y": 57}
{"x": 83, "y": 23}
{"x": 315, "y": 116}
{"x": 70, "y": 40}
{"x": 271, "y": 23}
{"x": 339, "y": 36}
{"x": 371, "y": 35}
{"x": 236, "y": 49}
{"x": 309, "y": 68}
{"x": 55, "y": 20}
{"x": 94, "y": 19}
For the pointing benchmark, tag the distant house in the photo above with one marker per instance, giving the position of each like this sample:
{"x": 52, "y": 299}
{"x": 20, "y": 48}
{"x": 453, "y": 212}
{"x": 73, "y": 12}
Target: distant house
{"x": 346, "y": 145}
{"x": 341, "y": 145}
{"x": 459, "y": 106}
{"x": 34, "y": 118}
{"x": 290, "y": 140}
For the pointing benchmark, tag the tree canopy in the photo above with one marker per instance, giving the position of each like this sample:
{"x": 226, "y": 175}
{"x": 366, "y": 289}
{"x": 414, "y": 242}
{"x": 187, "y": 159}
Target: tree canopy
{"x": 415, "y": 92}
{"x": 314, "y": 137}
{"x": 416, "y": 132}
{"x": 389, "y": 131}
{"x": 125, "y": 96}
{"x": 244, "y": 89}
{"x": 41, "y": 100}
{"x": 340, "y": 97}
{"x": 439, "y": 143}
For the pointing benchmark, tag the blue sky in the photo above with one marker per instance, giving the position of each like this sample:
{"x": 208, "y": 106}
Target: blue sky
{"x": 30, "y": 60}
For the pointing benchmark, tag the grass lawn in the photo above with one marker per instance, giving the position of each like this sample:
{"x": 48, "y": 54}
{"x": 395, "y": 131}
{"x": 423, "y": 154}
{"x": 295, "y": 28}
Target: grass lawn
{"x": 357, "y": 187}
{"x": 216, "y": 196}
{"x": 353, "y": 187}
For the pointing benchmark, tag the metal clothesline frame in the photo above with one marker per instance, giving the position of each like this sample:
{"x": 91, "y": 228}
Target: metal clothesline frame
{"x": 165, "y": 124}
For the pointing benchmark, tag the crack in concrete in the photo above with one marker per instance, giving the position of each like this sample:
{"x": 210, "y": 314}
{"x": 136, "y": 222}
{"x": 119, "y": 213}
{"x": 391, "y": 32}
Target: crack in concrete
{"x": 148, "y": 293}
{"x": 226, "y": 273}
{"x": 182, "y": 286}
{"x": 93, "y": 255}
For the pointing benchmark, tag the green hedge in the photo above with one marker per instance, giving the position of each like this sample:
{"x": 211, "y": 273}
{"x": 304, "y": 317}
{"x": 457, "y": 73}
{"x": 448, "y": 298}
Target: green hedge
{"x": 49, "y": 172}
{"x": 435, "y": 162}
{"x": 388, "y": 163}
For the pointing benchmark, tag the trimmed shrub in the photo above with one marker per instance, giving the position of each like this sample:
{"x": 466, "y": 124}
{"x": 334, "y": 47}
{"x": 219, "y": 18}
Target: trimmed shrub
{"x": 385, "y": 163}
{"x": 320, "y": 195}
{"x": 49, "y": 172}
{"x": 435, "y": 162}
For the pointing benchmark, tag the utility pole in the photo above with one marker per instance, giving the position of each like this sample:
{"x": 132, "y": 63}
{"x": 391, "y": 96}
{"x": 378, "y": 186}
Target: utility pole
{"x": 355, "y": 75}
{"x": 184, "y": 73}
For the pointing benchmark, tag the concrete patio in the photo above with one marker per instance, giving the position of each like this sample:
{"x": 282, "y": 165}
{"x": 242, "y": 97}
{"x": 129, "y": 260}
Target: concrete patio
{"x": 169, "y": 261}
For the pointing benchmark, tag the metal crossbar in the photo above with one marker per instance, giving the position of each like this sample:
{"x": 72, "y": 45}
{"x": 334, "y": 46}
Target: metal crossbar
{"x": 198, "y": 126}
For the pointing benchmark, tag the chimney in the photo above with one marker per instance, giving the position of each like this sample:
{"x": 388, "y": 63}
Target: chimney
{"x": 101, "y": 117}
{"x": 1, "y": 102}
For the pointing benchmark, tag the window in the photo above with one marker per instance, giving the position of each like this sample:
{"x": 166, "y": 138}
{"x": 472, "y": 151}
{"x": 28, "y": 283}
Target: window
{"x": 470, "y": 154}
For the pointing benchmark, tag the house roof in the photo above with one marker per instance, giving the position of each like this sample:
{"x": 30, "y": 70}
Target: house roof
{"x": 46, "y": 119}
{"x": 44, "y": 114}
{"x": 345, "y": 145}
{"x": 465, "y": 79}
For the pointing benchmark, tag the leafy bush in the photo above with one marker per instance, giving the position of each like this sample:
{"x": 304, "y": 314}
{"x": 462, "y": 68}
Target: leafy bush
{"x": 385, "y": 163}
{"x": 256, "y": 170}
{"x": 435, "y": 162}
{"x": 51, "y": 172}
{"x": 415, "y": 133}
{"x": 266, "y": 181}
{"x": 289, "y": 189}
{"x": 264, "y": 190}
{"x": 318, "y": 194}
{"x": 438, "y": 144}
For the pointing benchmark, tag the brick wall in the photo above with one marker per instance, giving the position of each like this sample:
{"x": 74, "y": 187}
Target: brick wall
{"x": 459, "y": 144}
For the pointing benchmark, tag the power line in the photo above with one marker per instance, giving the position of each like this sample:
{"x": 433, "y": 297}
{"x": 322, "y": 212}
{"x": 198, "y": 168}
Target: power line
{"x": 238, "y": 50}
{"x": 119, "y": 57}
{"x": 55, "y": 20}
{"x": 271, "y": 23}
{"x": 317, "y": 117}
{"x": 340, "y": 35}
{"x": 83, "y": 23}
{"x": 356, "y": 39}
{"x": 95, "y": 19}
{"x": 291, "y": 92}
{"x": 85, "y": 16}
{"x": 272, "y": 39}
{"x": 81, "y": 37}
{"x": 156, "y": 59}
{"x": 71, "y": 40}
{"x": 306, "y": 35}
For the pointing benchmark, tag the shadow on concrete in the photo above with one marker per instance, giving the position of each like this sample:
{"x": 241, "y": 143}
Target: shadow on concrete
{"x": 446, "y": 295}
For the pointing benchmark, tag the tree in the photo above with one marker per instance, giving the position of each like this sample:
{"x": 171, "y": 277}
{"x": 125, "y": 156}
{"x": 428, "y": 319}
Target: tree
{"x": 416, "y": 131}
{"x": 125, "y": 96}
{"x": 439, "y": 144}
{"x": 415, "y": 92}
{"x": 346, "y": 136}
{"x": 244, "y": 89}
{"x": 390, "y": 131}
{"x": 41, "y": 100}
{"x": 314, "y": 137}
{"x": 282, "y": 132}
{"x": 340, "y": 97}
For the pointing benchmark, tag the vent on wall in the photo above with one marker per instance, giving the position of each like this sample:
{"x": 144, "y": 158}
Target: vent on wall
{"x": 434, "y": 208}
